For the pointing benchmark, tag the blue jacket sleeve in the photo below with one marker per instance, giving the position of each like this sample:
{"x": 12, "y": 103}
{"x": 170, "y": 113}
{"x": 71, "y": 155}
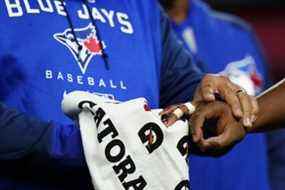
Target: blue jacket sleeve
{"x": 179, "y": 73}
{"x": 44, "y": 143}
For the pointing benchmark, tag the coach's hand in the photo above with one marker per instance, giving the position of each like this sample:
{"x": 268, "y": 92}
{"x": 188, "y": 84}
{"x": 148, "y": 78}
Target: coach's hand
{"x": 225, "y": 134}
{"x": 215, "y": 86}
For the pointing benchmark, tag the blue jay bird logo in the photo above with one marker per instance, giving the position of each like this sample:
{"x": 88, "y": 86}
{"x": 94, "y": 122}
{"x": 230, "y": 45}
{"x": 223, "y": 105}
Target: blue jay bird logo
{"x": 88, "y": 46}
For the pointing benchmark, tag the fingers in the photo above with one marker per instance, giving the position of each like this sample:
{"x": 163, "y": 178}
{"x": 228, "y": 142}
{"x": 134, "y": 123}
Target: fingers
{"x": 168, "y": 110}
{"x": 255, "y": 108}
{"x": 250, "y": 108}
{"x": 212, "y": 84}
{"x": 173, "y": 113}
{"x": 233, "y": 133}
{"x": 197, "y": 122}
{"x": 218, "y": 142}
{"x": 243, "y": 106}
{"x": 213, "y": 143}
{"x": 167, "y": 116}
{"x": 200, "y": 116}
{"x": 169, "y": 119}
{"x": 247, "y": 108}
{"x": 208, "y": 88}
{"x": 208, "y": 92}
{"x": 209, "y": 111}
{"x": 232, "y": 99}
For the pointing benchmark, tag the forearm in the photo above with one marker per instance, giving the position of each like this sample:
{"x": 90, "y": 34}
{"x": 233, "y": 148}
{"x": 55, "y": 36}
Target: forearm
{"x": 272, "y": 109}
{"x": 43, "y": 142}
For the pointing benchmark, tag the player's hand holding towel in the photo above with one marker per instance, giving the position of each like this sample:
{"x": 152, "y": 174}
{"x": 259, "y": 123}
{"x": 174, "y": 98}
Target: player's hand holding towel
{"x": 127, "y": 146}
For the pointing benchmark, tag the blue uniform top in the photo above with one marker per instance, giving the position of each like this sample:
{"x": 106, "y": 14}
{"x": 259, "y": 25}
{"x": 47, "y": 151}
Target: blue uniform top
{"x": 45, "y": 52}
{"x": 224, "y": 43}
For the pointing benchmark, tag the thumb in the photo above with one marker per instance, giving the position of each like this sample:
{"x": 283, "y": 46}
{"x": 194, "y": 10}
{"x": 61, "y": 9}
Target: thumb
{"x": 217, "y": 142}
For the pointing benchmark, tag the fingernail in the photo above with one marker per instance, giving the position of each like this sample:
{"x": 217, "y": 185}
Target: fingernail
{"x": 195, "y": 138}
{"x": 211, "y": 96}
{"x": 253, "y": 118}
{"x": 247, "y": 122}
{"x": 239, "y": 112}
{"x": 165, "y": 122}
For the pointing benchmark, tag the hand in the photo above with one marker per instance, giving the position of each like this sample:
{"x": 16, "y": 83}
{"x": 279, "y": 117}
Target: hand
{"x": 243, "y": 105}
{"x": 73, "y": 102}
{"x": 169, "y": 118}
{"x": 228, "y": 131}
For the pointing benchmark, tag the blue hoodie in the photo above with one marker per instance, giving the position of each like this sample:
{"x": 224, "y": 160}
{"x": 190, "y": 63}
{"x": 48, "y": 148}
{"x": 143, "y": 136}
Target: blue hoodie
{"x": 127, "y": 50}
{"x": 222, "y": 43}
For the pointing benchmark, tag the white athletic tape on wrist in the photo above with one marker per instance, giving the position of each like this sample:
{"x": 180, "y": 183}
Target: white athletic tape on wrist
{"x": 190, "y": 107}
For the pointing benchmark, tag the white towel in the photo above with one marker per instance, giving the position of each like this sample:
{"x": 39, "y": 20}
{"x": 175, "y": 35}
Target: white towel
{"x": 117, "y": 146}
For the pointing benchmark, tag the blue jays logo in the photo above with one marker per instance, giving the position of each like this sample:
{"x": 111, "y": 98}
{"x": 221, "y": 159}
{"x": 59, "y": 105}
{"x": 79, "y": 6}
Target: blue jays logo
{"x": 88, "y": 46}
{"x": 245, "y": 74}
